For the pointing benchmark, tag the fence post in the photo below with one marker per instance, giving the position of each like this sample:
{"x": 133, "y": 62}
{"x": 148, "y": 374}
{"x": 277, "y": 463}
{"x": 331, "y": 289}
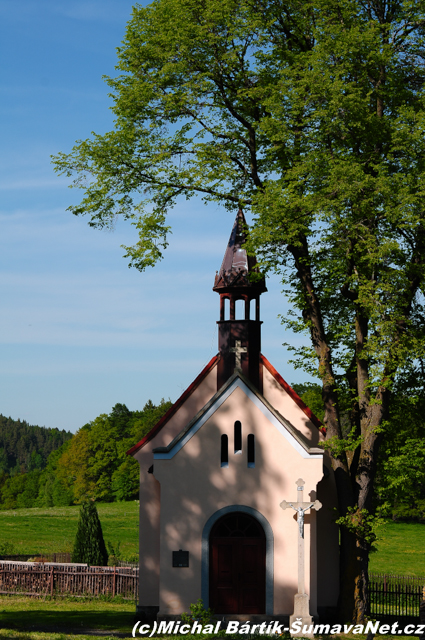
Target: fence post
{"x": 114, "y": 583}
{"x": 422, "y": 613}
{"x": 51, "y": 581}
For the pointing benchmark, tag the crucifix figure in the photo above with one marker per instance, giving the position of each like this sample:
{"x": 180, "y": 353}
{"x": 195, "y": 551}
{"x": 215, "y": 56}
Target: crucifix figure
{"x": 301, "y": 507}
{"x": 301, "y": 602}
{"x": 238, "y": 351}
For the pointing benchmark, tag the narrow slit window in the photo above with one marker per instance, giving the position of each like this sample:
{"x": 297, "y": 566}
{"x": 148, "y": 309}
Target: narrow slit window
{"x": 224, "y": 453}
{"x": 251, "y": 451}
{"x": 238, "y": 437}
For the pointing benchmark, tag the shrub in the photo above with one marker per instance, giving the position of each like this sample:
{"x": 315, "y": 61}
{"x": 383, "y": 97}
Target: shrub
{"x": 89, "y": 545}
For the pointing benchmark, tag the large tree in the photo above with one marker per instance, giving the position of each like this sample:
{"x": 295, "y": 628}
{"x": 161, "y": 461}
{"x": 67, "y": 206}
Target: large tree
{"x": 310, "y": 115}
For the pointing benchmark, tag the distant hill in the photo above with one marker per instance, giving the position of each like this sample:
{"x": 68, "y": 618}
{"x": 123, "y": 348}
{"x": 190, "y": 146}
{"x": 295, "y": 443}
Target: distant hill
{"x": 24, "y": 447}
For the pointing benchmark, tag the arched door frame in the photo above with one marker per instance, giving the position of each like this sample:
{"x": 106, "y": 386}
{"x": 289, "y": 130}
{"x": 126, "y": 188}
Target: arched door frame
{"x": 205, "y": 584}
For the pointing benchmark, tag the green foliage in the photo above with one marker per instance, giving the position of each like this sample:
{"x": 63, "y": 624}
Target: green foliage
{"x": 337, "y": 446}
{"x": 362, "y": 523}
{"x": 20, "y": 490}
{"x": 114, "y": 552}
{"x": 311, "y": 394}
{"x": 402, "y": 487}
{"x": 95, "y": 464}
{"x": 312, "y": 116}
{"x": 52, "y": 490}
{"x": 125, "y": 480}
{"x": 89, "y": 545}
{"x": 91, "y": 464}
{"x": 26, "y": 448}
{"x": 401, "y": 470}
{"x": 198, "y": 613}
{"x": 26, "y": 457}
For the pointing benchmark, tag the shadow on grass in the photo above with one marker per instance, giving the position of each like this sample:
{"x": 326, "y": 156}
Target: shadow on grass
{"x": 67, "y": 620}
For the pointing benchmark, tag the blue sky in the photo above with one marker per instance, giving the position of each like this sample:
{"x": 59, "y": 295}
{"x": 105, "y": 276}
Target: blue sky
{"x": 79, "y": 331}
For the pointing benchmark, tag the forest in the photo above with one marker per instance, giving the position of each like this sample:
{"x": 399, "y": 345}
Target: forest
{"x": 24, "y": 447}
{"x": 49, "y": 468}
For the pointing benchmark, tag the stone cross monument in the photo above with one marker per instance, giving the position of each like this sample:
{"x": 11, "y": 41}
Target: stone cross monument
{"x": 301, "y": 599}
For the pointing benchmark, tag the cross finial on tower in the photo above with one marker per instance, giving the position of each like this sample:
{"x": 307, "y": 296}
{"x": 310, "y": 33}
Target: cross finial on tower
{"x": 238, "y": 351}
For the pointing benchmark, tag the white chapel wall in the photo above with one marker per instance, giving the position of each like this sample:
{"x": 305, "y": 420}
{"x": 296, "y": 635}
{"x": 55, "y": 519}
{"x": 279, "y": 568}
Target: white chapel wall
{"x": 194, "y": 486}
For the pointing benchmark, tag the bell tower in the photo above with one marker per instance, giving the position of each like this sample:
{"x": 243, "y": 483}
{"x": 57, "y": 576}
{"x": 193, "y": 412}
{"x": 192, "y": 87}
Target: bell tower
{"x": 239, "y": 327}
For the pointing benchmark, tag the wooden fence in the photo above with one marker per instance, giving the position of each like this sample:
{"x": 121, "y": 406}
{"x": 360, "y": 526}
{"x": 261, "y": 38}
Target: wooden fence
{"x": 63, "y": 557}
{"x": 389, "y": 596}
{"x": 395, "y": 596}
{"x": 38, "y": 579}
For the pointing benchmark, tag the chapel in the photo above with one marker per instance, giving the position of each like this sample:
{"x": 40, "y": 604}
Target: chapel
{"x": 216, "y": 468}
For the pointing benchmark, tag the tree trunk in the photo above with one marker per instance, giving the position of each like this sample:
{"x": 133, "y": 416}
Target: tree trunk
{"x": 349, "y": 606}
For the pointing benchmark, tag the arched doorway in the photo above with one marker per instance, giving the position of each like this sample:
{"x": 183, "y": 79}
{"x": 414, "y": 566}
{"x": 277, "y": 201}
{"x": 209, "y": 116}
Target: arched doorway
{"x": 237, "y": 565}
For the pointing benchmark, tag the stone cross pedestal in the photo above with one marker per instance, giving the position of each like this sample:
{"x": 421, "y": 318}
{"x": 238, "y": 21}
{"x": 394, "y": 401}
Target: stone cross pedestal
{"x": 301, "y": 599}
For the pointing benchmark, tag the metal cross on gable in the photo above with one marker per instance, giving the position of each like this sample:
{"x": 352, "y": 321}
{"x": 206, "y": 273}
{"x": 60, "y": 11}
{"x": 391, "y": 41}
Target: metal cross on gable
{"x": 238, "y": 350}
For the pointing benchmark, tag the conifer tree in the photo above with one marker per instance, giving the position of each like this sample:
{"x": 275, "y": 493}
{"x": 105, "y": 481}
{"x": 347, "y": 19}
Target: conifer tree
{"x": 89, "y": 545}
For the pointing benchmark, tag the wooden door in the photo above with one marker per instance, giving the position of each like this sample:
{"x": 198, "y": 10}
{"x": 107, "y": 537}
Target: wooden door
{"x": 237, "y": 565}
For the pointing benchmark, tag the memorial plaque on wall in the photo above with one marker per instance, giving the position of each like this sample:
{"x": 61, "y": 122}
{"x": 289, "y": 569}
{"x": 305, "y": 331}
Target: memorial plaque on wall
{"x": 180, "y": 558}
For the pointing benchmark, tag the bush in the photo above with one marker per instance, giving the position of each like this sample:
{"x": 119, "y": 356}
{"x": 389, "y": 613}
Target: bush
{"x": 89, "y": 545}
{"x": 198, "y": 613}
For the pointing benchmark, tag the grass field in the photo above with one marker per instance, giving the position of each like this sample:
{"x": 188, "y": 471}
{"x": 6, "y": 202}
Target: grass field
{"x": 33, "y": 531}
{"x": 65, "y": 615}
{"x": 11, "y": 634}
{"x": 37, "y": 619}
{"x": 400, "y": 549}
{"x": 52, "y": 530}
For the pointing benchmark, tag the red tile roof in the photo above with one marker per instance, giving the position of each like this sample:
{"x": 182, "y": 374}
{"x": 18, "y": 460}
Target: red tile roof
{"x": 295, "y": 397}
{"x": 191, "y": 388}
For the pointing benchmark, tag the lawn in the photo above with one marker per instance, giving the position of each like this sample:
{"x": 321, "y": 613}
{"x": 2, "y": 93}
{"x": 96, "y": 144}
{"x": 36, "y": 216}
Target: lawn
{"x": 9, "y": 634}
{"x": 68, "y": 619}
{"x": 48, "y": 530}
{"x": 52, "y": 530}
{"x": 65, "y": 615}
{"x": 400, "y": 549}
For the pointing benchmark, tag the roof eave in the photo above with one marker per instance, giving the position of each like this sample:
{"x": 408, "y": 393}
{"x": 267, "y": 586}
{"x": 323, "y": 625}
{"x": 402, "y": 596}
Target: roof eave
{"x": 299, "y": 437}
{"x": 294, "y": 395}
